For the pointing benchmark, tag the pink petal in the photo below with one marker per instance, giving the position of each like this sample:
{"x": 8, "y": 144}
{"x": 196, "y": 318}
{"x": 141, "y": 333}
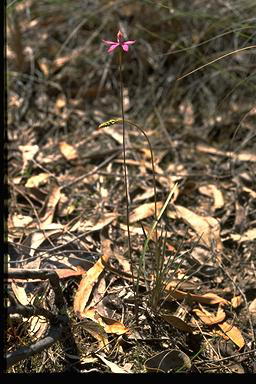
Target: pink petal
{"x": 130, "y": 42}
{"x": 125, "y": 47}
{"x": 113, "y": 46}
{"x": 109, "y": 42}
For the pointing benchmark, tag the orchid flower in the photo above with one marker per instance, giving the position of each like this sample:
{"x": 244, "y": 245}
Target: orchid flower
{"x": 120, "y": 42}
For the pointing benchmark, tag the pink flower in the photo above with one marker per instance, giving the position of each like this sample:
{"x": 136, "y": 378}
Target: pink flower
{"x": 120, "y": 42}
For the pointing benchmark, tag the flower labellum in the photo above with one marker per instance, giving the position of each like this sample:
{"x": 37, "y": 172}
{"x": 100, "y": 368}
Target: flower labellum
{"x": 120, "y": 42}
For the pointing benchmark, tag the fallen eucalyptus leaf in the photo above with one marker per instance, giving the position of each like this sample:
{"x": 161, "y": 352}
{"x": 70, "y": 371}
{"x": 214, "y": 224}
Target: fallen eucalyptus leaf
{"x": 167, "y": 361}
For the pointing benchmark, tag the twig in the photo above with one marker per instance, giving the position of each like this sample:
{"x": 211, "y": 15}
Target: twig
{"x": 16, "y": 273}
{"x": 61, "y": 331}
{"x": 55, "y": 332}
{"x": 29, "y": 310}
{"x": 94, "y": 170}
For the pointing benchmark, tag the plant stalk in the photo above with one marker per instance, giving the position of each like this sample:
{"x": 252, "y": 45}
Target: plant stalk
{"x": 126, "y": 183}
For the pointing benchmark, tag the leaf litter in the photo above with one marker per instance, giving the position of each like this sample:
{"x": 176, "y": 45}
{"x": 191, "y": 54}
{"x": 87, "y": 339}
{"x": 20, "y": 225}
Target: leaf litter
{"x": 55, "y": 227}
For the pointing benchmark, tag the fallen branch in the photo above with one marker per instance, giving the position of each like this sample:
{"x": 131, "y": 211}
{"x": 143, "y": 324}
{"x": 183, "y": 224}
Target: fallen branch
{"x": 59, "y": 328}
{"x": 54, "y": 334}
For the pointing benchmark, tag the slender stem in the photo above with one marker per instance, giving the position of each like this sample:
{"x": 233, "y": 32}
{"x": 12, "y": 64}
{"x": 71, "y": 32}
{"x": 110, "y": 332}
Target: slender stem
{"x": 152, "y": 162}
{"x": 125, "y": 175}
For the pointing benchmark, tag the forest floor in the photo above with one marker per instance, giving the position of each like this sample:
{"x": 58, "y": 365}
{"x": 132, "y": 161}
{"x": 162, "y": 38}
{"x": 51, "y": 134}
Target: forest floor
{"x": 183, "y": 299}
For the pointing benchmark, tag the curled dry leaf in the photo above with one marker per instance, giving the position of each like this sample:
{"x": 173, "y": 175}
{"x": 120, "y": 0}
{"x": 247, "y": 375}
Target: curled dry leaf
{"x": 133, "y": 230}
{"x": 207, "y": 228}
{"x": 212, "y": 191}
{"x": 38, "y": 325}
{"x": 167, "y": 361}
{"x": 209, "y": 318}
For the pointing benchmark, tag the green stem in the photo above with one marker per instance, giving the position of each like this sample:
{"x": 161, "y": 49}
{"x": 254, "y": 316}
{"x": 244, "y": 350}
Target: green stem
{"x": 125, "y": 180}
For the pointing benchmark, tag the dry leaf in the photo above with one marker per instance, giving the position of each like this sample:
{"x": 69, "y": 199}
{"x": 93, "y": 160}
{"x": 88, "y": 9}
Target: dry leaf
{"x": 144, "y": 211}
{"x": 88, "y": 225}
{"x": 93, "y": 314}
{"x": 208, "y": 228}
{"x": 86, "y": 286}
{"x": 38, "y": 237}
{"x": 209, "y": 318}
{"x": 114, "y": 367}
{"x": 62, "y": 60}
{"x": 20, "y": 293}
{"x": 178, "y": 323}
{"x": 212, "y": 191}
{"x": 50, "y": 207}
{"x": 233, "y": 333}
{"x": 19, "y": 221}
{"x": 28, "y": 152}
{"x": 144, "y": 196}
{"x": 168, "y": 360}
{"x": 252, "y": 307}
{"x": 43, "y": 64}
{"x": 66, "y": 272}
{"x": 114, "y": 132}
{"x": 249, "y": 235}
{"x": 37, "y": 180}
{"x": 250, "y": 191}
{"x": 133, "y": 230}
{"x": 89, "y": 280}
{"x": 96, "y": 330}
{"x": 68, "y": 151}
{"x": 60, "y": 102}
{"x": 114, "y": 326}
{"x": 37, "y": 324}
{"x": 156, "y": 234}
{"x": 241, "y": 156}
{"x": 207, "y": 298}
{"x": 236, "y": 301}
